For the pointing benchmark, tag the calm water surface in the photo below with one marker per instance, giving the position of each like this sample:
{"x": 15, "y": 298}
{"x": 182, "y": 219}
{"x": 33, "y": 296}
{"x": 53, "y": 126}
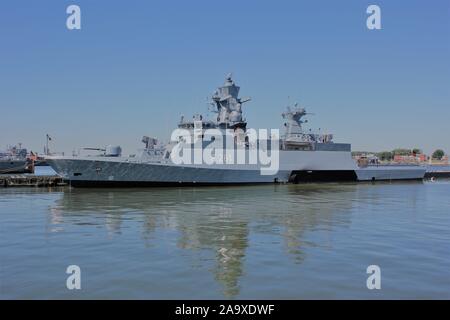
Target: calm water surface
{"x": 262, "y": 242}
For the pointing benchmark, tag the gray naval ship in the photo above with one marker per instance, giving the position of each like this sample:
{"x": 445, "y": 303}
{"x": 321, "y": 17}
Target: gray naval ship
{"x": 301, "y": 155}
{"x": 14, "y": 160}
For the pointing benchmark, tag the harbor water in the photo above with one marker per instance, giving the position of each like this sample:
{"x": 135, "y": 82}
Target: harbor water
{"x": 250, "y": 242}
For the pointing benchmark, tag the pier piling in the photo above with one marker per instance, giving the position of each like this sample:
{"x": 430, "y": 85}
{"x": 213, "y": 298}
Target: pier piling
{"x": 24, "y": 180}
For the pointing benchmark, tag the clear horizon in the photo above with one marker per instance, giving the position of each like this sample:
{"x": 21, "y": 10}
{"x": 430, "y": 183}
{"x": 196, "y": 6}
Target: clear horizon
{"x": 134, "y": 68}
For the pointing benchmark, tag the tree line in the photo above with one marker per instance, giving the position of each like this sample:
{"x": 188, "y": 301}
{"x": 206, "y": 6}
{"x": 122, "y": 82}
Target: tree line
{"x": 389, "y": 155}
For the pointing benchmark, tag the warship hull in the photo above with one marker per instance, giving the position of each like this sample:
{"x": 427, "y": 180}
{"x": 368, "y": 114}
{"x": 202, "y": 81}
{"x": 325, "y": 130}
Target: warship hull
{"x": 391, "y": 172}
{"x": 15, "y": 166}
{"x": 85, "y": 173}
{"x": 295, "y": 167}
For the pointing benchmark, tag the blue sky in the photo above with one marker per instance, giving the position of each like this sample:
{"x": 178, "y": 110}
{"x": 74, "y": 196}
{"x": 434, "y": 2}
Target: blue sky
{"x": 136, "y": 66}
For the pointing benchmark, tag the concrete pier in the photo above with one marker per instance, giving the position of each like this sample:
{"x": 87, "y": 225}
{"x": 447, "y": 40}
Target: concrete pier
{"x": 30, "y": 180}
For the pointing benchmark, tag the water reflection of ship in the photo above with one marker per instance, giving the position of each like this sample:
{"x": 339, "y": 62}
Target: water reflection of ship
{"x": 226, "y": 233}
{"x": 217, "y": 220}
